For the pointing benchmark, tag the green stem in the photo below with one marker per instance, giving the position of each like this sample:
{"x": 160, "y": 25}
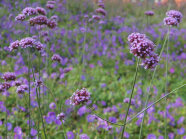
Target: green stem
{"x": 83, "y": 57}
{"x": 166, "y": 84}
{"x": 149, "y": 94}
{"x": 134, "y": 82}
{"x": 6, "y": 118}
{"x": 29, "y": 88}
{"x": 38, "y": 101}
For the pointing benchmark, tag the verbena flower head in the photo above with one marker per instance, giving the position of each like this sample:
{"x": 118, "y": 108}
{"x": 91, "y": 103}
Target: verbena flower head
{"x": 39, "y": 46}
{"x": 170, "y": 21}
{"x": 20, "y": 17}
{"x": 17, "y": 83}
{"x": 101, "y": 5}
{"x": 151, "y": 62}
{"x": 54, "y": 17}
{"x": 175, "y": 14}
{"x": 136, "y": 37}
{"x": 61, "y": 116}
{"x": 38, "y": 20}
{"x": 29, "y": 11}
{"x": 51, "y": 2}
{"x": 27, "y": 42}
{"x": 101, "y": 11}
{"x": 51, "y": 24}
{"x": 142, "y": 49}
{"x": 96, "y": 17}
{"x": 14, "y": 45}
{"x": 57, "y": 58}
{"x": 38, "y": 83}
{"x": 21, "y": 89}
{"x": 80, "y": 97}
{"x": 9, "y": 76}
{"x": 149, "y": 13}
{"x": 41, "y": 10}
{"x": 6, "y": 85}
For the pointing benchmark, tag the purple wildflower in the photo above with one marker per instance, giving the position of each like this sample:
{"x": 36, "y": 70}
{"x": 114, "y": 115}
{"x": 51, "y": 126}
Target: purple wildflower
{"x": 21, "y": 89}
{"x": 29, "y": 11}
{"x": 51, "y": 24}
{"x": 9, "y": 76}
{"x": 101, "y": 11}
{"x": 14, "y": 45}
{"x": 181, "y": 131}
{"x": 20, "y": 17}
{"x": 151, "y": 62}
{"x": 170, "y": 21}
{"x": 61, "y": 116}
{"x": 84, "y": 136}
{"x": 151, "y": 136}
{"x": 41, "y": 10}
{"x": 38, "y": 20}
{"x": 27, "y": 42}
{"x": 149, "y": 13}
{"x": 80, "y": 97}
{"x": 70, "y": 135}
{"x": 57, "y": 58}
{"x": 126, "y": 100}
{"x": 52, "y": 106}
{"x": 175, "y": 14}
{"x": 33, "y": 132}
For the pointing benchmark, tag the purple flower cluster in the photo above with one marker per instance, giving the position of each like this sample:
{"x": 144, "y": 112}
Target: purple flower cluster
{"x": 9, "y": 76}
{"x": 25, "y": 43}
{"x": 80, "y": 97}
{"x": 29, "y": 11}
{"x": 50, "y": 4}
{"x": 149, "y": 13}
{"x": 57, "y": 58}
{"x": 20, "y": 17}
{"x": 38, "y": 20}
{"x": 174, "y": 18}
{"x": 100, "y": 12}
{"x": 41, "y": 10}
{"x": 143, "y": 48}
{"x": 61, "y": 116}
{"x": 21, "y": 89}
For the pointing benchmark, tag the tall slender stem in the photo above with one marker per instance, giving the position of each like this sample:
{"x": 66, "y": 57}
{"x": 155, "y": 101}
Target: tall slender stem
{"x": 134, "y": 82}
{"x": 84, "y": 42}
{"x": 6, "y": 117}
{"x": 41, "y": 115}
{"x": 29, "y": 88}
{"x": 149, "y": 94}
{"x": 166, "y": 83}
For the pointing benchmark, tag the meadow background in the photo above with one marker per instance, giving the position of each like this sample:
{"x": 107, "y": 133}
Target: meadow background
{"x": 99, "y": 61}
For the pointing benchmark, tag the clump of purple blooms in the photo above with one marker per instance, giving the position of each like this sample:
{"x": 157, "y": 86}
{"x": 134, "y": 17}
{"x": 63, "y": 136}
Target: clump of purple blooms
{"x": 174, "y": 18}
{"x": 149, "y": 13}
{"x": 143, "y": 48}
{"x": 80, "y": 97}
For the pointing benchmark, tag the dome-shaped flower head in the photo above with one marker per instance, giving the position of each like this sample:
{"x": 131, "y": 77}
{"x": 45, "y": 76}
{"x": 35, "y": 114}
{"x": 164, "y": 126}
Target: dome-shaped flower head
{"x": 9, "y": 76}
{"x": 101, "y": 5}
{"x": 41, "y": 10}
{"x": 6, "y": 85}
{"x": 57, "y": 58}
{"x": 51, "y": 24}
{"x": 38, "y": 20}
{"x": 39, "y": 46}
{"x": 27, "y": 42}
{"x": 1, "y": 88}
{"x": 17, "y": 83}
{"x": 20, "y": 17}
{"x": 29, "y": 11}
{"x": 149, "y": 13}
{"x": 136, "y": 37}
{"x": 38, "y": 83}
{"x": 51, "y": 2}
{"x": 151, "y": 62}
{"x": 33, "y": 132}
{"x": 61, "y": 116}
{"x": 80, "y": 97}
{"x": 21, "y": 89}
{"x": 170, "y": 21}
{"x": 175, "y": 14}
{"x": 14, "y": 45}
{"x": 54, "y": 17}
{"x": 96, "y": 17}
{"x": 142, "y": 49}
{"x": 126, "y": 100}
{"x": 101, "y": 11}
{"x": 66, "y": 70}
